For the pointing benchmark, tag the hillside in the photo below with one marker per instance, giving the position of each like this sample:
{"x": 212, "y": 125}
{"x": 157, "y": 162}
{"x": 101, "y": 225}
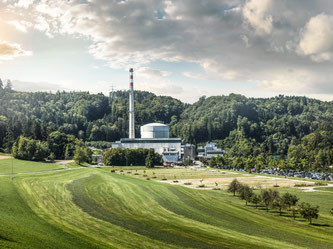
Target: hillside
{"x": 93, "y": 208}
{"x": 243, "y": 126}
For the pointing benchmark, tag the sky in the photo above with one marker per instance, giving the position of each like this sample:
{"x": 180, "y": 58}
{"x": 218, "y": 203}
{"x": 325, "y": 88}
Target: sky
{"x": 181, "y": 48}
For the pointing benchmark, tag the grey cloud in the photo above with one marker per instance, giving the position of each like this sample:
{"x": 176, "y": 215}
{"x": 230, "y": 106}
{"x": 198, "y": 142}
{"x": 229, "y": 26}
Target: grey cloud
{"x": 239, "y": 40}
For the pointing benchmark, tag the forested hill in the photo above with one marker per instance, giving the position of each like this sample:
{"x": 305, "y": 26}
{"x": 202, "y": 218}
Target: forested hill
{"x": 91, "y": 117}
{"x": 246, "y": 125}
{"x": 249, "y": 124}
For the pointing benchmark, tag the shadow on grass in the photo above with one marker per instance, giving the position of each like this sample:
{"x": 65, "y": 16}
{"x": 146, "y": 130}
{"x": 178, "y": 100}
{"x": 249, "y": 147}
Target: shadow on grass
{"x": 320, "y": 225}
{"x": 6, "y": 239}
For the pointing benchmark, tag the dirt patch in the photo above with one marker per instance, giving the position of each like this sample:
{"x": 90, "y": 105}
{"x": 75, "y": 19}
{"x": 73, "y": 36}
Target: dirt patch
{"x": 257, "y": 182}
{"x": 4, "y": 157}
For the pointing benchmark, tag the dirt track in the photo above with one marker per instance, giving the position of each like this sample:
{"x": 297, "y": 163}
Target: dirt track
{"x": 4, "y": 157}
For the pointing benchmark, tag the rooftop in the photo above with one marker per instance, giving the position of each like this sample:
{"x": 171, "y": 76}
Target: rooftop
{"x": 154, "y": 124}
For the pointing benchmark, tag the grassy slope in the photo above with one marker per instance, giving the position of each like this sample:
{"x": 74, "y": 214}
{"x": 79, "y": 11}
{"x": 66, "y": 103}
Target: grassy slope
{"x": 325, "y": 189}
{"x": 21, "y": 166}
{"x": 92, "y": 207}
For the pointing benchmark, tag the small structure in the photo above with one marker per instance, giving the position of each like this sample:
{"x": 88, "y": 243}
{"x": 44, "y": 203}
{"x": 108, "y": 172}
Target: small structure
{"x": 209, "y": 151}
{"x": 96, "y": 158}
{"x": 188, "y": 151}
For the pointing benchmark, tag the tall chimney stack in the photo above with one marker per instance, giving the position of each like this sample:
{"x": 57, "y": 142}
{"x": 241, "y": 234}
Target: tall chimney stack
{"x": 131, "y": 107}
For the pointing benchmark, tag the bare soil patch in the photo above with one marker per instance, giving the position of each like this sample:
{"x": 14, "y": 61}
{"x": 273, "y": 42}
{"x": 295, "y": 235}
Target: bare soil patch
{"x": 4, "y": 157}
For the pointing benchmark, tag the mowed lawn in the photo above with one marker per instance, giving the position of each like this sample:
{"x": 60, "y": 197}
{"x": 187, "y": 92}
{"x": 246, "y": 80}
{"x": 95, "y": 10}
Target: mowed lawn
{"x": 21, "y": 166}
{"x": 93, "y": 208}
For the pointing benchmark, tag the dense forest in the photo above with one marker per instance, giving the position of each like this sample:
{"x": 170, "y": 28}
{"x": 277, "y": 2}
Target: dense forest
{"x": 299, "y": 127}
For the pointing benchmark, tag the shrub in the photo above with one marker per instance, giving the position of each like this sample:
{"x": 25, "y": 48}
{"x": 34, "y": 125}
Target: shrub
{"x": 113, "y": 171}
{"x": 321, "y": 184}
{"x": 187, "y": 183}
{"x": 302, "y": 185}
{"x": 201, "y": 186}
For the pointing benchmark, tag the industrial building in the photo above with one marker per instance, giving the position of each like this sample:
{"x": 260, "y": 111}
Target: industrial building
{"x": 209, "y": 151}
{"x": 153, "y": 136}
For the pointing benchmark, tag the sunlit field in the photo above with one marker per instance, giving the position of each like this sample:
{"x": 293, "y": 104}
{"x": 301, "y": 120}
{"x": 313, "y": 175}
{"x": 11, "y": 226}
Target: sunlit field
{"x": 8, "y": 166}
{"x": 97, "y": 208}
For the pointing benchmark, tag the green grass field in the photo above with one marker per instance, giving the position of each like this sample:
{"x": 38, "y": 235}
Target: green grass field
{"x": 93, "y": 208}
{"x": 20, "y": 166}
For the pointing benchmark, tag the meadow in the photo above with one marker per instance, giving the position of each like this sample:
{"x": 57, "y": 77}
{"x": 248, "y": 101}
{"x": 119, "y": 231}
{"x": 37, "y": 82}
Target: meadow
{"x": 21, "y": 166}
{"x": 94, "y": 208}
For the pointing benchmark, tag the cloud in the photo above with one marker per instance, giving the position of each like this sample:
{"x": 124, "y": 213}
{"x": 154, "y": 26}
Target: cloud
{"x": 317, "y": 38}
{"x": 255, "y": 14}
{"x": 149, "y": 72}
{"x": 26, "y": 86}
{"x": 9, "y": 51}
{"x": 276, "y": 44}
{"x": 20, "y": 25}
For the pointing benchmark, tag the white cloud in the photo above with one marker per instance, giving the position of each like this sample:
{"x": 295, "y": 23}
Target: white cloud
{"x": 317, "y": 38}
{"x": 20, "y": 25}
{"x": 8, "y": 51}
{"x": 255, "y": 14}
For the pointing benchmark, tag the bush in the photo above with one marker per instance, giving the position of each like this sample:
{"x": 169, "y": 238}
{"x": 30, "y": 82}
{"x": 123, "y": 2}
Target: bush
{"x": 187, "y": 183}
{"x": 321, "y": 184}
{"x": 136, "y": 157}
{"x": 113, "y": 171}
{"x": 30, "y": 149}
{"x": 201, "y": 186}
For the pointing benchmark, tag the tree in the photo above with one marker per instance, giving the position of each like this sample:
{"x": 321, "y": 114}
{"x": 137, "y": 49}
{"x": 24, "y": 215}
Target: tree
{"x": 279, "y": 203}
{"x": 150, "y": 159}
{"x": 255, "y": 199}
{"x": 234, "y": 186}
{"x": 1, "y": 84}
{"x": 269, "y": 197}
{"x": 212, "y": 162}
{"x": 52, "y": 156}
{"x": 289, "y": 199}
{"x": 80, "y": 155}
{"x": 294, "y": 210}
{"x": 219, "y": 161}
{"x": 9, "y": 85}
{"x": 308, "y": 212}
{"x": 188, "y": 161}
{"x": 245, "y": 193}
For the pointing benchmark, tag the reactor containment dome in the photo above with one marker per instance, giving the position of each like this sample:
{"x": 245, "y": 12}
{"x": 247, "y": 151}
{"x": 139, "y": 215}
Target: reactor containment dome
{"x": 155, "y": 130}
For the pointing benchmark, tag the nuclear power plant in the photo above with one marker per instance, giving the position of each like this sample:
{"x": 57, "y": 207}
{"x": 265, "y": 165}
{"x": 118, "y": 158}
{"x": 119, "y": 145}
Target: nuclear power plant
{"x": 153, "y": 136}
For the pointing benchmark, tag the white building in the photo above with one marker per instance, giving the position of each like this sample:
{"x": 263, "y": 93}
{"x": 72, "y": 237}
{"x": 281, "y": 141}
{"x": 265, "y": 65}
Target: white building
{"x": 209, "y": 151}
{"x": 154, "y": 136}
